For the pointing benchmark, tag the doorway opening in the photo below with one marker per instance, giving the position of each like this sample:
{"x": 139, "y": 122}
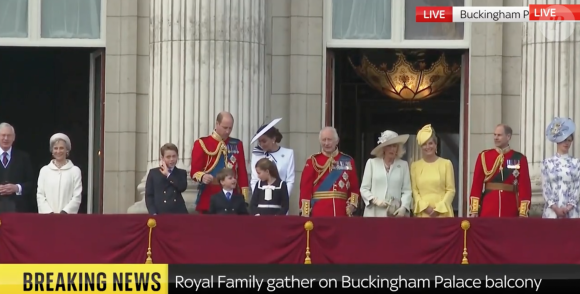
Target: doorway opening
{"x": 362, "y": 106}
{"x": 45, "y": 91}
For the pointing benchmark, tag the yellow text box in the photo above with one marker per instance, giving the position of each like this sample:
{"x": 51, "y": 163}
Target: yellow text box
{"x": 98, "y": 278}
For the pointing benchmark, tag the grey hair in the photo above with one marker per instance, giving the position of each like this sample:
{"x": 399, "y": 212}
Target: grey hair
{"x": 7, "y": 125}
{"x": 60, "y": 137}
{"x": 333, "y": 130}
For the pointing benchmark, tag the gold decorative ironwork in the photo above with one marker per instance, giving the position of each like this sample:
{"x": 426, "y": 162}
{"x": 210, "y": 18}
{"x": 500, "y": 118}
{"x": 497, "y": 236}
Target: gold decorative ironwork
{"x": 465, "y": 225}
{"x": 406, "y": 83}
{"x": 308, "y": 226}
{"x": 151, "y": 223}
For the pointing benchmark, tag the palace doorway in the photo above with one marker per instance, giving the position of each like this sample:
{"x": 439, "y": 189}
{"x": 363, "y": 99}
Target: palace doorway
{"x": 49, "y": 90}
{"x": 363, "y": 104}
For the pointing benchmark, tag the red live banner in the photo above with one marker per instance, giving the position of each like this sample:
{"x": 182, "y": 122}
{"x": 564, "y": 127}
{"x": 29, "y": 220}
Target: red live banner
{"x": 554, "y": 12}
{"x": 434, "y": 14}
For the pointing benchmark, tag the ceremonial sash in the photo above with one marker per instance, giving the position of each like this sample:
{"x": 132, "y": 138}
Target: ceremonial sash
{"x": 222, "y": 162}
{"x": 499, "y": 178}
{"x": 333, "y": 175}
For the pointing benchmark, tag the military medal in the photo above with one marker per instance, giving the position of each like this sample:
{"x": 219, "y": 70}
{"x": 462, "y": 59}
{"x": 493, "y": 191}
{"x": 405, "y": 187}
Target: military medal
{"x": 345, "y": 176}
{"x": 233, "y": 159}
{"x": 229, "y": 165}
{"x": 516, "y": 173}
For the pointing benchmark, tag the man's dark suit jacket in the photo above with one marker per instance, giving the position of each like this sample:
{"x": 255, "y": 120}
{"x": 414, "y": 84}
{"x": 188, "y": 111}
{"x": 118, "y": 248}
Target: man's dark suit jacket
{"x": 18, "y": 171}
{"x": 219, "y": 204}
{"x": 163, "y": 194}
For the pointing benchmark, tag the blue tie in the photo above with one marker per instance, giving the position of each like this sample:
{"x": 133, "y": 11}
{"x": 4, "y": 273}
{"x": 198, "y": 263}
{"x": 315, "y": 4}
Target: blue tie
{"x": 229, "y": 195}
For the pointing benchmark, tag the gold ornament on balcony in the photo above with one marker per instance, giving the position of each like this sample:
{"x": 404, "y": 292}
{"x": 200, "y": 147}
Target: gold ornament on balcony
{"x": 406, "y": 82}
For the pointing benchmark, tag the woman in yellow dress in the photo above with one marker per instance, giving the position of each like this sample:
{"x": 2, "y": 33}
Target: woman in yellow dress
{"x": 432, "y": 179}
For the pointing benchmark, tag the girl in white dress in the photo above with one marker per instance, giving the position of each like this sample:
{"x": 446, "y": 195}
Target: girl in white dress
{"x": 269, "y": 138}
{"x": 561, "y": 173}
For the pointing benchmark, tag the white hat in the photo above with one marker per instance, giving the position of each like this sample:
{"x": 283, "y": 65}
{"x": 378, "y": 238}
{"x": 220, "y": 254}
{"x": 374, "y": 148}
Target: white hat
{"x": 263, "y": 129}
{"x": 388, "y": 138}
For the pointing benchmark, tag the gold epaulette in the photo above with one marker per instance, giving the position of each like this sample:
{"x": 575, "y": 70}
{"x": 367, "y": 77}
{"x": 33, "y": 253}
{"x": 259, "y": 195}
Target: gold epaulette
{"x": 214, "y": 152}
{"x": 220, "y": 149}
{"x": 320, "y": 169}
{"x": 489, "y": 173}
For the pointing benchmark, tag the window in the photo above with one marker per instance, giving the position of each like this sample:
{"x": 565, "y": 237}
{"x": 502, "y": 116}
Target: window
{"x": 59, "y": 23}
{"x": 431, "y": 31}
{"x": 361, "y": 19}
{"x": 13, "y": 18}
{"x": 390, "y": 24}
{"x": 71, "y": 19}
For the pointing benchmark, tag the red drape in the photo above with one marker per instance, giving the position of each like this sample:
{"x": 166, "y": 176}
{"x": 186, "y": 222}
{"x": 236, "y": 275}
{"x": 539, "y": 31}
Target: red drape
{"x": 36, "y": 238}
{"x": 228, "y": 239}
{"x": 380, "y": 240}
{"x": 524, "y": 241}
{"x": 33, "y": 238}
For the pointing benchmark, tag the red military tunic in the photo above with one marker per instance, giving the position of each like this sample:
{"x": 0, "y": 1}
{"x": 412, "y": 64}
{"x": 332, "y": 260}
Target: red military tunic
{"x": 210, "y": 155}
{"x": 499, "y": 190}
{"x": 328, "y": 185}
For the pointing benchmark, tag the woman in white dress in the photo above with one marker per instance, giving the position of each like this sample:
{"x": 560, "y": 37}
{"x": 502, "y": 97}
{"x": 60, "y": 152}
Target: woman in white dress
{"x": 386, "y": 184}
{"x": 59, "y": 182}
{"x": 269, "y": 139}
{"x": 561, "y": 173}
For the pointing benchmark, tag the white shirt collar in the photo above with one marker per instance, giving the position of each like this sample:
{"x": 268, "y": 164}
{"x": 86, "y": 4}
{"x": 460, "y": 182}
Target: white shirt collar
{"x": 9, "y": 151}
{"x": 226, "y": 192}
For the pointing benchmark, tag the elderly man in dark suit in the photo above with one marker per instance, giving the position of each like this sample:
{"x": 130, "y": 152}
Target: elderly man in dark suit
{"x": 17, "y": 182}
{"x": 165, "y": 184}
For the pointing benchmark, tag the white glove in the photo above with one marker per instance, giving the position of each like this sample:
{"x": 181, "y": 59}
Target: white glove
{"x": 378, "y": 202}
{"x": 401, "y": 212}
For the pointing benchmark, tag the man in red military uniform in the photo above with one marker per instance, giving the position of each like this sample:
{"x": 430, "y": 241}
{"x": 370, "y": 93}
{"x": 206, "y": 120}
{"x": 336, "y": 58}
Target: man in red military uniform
{"x": 329, "y": 184}
{"x": 501, "y": 181}
{"x": 213, "y": 153}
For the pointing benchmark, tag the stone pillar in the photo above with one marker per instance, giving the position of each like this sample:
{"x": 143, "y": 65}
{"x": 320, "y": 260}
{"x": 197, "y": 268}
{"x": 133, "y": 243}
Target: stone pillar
{"x": 206, "y": 56}
{"x": 549, "y": 88}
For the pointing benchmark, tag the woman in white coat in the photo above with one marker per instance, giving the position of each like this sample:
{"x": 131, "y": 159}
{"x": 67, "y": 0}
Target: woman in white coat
{"x": 59, "y": 182}
{"x": 386, "y": 184}
{"x": 269, "y": 139}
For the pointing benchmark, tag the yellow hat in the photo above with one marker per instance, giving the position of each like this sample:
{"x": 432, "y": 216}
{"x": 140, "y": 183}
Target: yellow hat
{"x": 425, "y": 134}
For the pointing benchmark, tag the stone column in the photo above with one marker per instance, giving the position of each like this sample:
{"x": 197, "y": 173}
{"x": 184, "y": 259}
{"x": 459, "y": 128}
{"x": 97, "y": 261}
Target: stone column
{"x": 206, "y": 56}
{"x": 549, "y": 88}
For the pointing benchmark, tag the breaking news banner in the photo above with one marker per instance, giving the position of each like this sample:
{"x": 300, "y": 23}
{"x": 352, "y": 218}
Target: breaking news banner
{"x": 159, "y": 278}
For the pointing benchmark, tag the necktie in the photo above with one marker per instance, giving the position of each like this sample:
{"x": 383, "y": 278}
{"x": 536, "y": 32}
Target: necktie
{"x": 5, "y": 159}
{"x": 229, "y": 195}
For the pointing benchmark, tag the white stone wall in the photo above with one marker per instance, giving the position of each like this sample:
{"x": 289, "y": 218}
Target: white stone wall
{"x": 126, "y": 102}
{"x": 297, "y": 49}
